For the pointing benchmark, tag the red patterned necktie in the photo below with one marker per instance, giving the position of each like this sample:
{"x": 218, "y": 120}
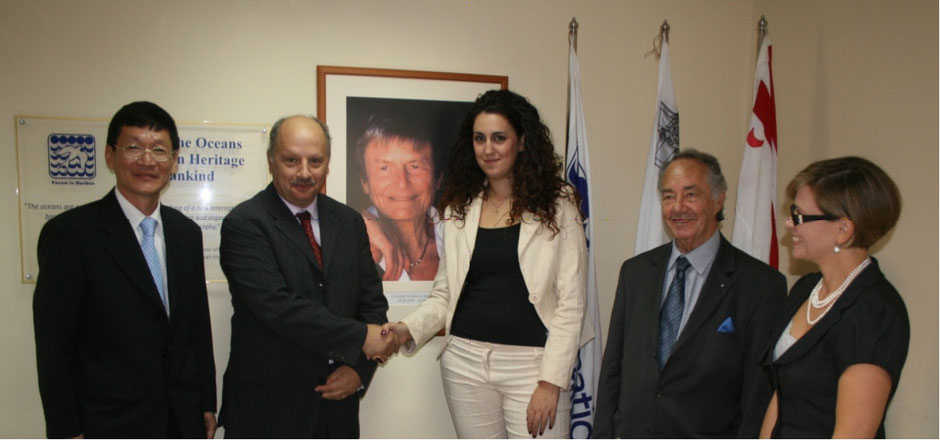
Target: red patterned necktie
{"x": 304, "y": 217}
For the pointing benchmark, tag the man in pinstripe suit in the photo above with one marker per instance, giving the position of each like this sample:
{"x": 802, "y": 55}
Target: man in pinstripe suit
{"x": 306, "y": 296}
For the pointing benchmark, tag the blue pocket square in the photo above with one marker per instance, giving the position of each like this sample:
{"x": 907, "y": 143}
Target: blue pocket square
{"x": 727, "y": 326}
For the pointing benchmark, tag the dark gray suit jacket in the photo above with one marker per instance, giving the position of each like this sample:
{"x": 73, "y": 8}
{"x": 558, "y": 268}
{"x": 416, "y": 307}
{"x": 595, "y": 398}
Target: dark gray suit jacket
{"x": 712, "y": 385}
{"x": 292, "y": 316}
{"x": 111, "y": 364}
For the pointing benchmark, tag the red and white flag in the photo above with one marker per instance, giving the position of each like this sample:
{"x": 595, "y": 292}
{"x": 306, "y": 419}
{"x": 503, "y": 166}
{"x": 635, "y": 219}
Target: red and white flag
{"x": 755, "y": 230}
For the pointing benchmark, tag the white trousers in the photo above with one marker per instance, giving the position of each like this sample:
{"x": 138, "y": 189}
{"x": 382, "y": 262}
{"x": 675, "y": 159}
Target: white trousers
{"x": 488, "y": 387}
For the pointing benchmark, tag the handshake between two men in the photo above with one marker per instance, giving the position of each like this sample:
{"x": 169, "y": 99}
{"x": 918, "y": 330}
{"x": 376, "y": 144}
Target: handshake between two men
{"x": 383, "y": 341}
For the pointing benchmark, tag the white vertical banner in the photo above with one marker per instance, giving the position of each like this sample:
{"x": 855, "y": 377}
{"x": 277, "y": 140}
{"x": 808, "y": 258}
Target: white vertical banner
{"x": 755, "y": 228}
{"x": 578, "y": 172}
{"x": 663, "y": 145}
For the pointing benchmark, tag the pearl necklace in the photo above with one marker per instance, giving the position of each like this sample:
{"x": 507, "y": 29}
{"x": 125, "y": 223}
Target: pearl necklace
{"x": 816, "y": 303}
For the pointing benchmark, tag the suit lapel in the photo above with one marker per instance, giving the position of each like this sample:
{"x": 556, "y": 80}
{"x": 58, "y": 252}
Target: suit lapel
{"x": 174, "y": 243}
{"x": 329, "y": 234}
{"x": 717, "y": 284}
{"x": 527, "y": 232}
{"x": 650, "y": 303}
{"x": 285, "y": 222}
{"x": 871, "y": 275}
{"x": 471, "y": 224}
{"x": 121, "y": 244}
{"x": 796, "y": 296}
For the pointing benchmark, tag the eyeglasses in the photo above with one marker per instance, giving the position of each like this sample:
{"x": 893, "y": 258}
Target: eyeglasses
{"x": 159, "y": 154}
{"x": 799, "y": 219}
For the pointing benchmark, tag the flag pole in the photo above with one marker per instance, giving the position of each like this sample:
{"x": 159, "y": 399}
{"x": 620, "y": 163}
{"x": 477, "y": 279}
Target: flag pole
{"x": 573, "y": 41}
{"x": 573, "y": 33}
{"x": 761, "y": 32}
{"x": 586, "y": 371}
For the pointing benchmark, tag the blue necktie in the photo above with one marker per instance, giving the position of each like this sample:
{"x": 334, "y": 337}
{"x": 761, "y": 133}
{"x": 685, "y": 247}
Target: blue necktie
{"x": 670, "y": 315}
{"x": 148, "y": 226}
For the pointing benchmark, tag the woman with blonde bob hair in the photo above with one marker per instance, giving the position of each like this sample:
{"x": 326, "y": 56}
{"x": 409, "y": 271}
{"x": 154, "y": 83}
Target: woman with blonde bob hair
{"x": 838, "y": 350}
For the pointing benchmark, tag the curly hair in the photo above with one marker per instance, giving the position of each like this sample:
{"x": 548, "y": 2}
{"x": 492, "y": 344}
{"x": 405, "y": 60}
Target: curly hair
{"x": 537, "y": 181}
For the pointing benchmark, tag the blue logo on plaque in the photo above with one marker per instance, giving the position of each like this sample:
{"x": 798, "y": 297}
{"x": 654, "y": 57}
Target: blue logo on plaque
{"x": 71, "y": 156}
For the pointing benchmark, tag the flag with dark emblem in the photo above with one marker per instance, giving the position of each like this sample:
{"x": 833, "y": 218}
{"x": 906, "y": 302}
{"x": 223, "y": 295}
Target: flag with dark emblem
{"x": 663, "y": 145}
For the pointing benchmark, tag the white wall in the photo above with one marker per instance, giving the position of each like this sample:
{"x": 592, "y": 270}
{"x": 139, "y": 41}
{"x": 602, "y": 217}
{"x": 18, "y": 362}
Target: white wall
{"x": 851, "y": 77}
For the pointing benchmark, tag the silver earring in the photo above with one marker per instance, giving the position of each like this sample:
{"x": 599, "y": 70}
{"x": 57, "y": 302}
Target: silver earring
{"x": 836, "y": 249}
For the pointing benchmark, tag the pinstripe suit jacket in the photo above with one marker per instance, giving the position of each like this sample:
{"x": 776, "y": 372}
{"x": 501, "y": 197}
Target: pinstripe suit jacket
{"x": 291, "y": 316}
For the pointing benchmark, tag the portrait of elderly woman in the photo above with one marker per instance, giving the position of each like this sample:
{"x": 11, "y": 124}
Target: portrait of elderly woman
{"x": 398, "y": 147}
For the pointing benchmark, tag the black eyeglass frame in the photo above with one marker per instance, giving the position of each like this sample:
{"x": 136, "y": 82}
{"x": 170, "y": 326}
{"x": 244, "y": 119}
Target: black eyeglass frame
{"x": 799, "y": 219}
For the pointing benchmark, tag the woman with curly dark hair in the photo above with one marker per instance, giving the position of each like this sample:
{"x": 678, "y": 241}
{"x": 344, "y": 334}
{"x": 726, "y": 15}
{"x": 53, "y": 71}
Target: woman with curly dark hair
{"x": 510, "y": 286}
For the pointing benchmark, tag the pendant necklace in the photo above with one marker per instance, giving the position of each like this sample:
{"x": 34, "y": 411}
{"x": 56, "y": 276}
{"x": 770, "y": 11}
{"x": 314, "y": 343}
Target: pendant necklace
{"x": 496, "y": 207}
{"x": 421, "y": 258}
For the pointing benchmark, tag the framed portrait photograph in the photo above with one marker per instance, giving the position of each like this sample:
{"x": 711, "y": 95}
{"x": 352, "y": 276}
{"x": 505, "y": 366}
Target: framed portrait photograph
{"x": 392, "y": 135}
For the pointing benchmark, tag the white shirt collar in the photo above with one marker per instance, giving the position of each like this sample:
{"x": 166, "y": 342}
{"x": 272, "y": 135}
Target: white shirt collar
{"x": 701, "y": 257}
{"x": 294, "y": 209}
{"x": 134, "y": 216}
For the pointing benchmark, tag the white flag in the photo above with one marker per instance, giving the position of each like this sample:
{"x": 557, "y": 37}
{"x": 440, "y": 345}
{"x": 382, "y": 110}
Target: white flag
{"x": 755, "y": 228}
{"x": 663, "y": 145}
{"x": 578, "y": 172}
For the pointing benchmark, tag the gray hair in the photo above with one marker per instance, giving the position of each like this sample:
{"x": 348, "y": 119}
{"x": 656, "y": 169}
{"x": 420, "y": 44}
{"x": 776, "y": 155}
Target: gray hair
{"x": 716, "y": 180}
{"x": 276, "y": 128}
{"x": 384, "y": 127}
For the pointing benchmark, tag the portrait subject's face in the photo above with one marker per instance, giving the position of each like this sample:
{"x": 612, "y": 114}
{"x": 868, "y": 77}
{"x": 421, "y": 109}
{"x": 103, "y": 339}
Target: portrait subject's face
{"x": 300, "y": 161}
{"x": 689, "y": 209}
{"x": 144, "y": 177}
{"x": 399, "y": 177}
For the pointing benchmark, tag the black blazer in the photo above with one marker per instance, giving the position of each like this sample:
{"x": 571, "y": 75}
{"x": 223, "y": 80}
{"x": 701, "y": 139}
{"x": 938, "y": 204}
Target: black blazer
{"x": 110, "y": 362}
{"x": 709, "y": 385}
{"x": 290, "y": 316}
{"x": 867, "y": 324}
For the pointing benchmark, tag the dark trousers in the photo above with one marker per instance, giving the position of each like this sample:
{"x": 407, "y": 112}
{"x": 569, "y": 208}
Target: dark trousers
{"x": 339, "y": 418}
{"x": 172, "y": 428}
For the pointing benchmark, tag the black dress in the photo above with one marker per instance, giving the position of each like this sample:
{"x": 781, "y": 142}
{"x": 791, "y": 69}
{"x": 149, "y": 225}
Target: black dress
{"x": 867, "y": 324}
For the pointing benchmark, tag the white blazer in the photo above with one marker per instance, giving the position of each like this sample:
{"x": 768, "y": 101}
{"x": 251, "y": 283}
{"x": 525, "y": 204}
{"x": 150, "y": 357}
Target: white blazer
{"x": 555, "y": 273}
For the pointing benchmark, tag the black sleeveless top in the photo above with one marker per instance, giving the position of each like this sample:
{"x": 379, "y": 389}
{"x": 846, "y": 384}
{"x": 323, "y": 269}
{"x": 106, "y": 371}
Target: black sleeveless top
{"x": 494, "y": 304}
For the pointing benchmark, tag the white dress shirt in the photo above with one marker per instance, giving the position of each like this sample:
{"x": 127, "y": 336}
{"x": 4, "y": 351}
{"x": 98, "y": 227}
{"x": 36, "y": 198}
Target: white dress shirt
{"x": 314, "y": 216}
{"x": 134, "y": 216}
{"x": 700, "y": 259}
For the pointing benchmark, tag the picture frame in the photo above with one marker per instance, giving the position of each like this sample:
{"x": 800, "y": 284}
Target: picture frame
{"x": 422, "y": 111}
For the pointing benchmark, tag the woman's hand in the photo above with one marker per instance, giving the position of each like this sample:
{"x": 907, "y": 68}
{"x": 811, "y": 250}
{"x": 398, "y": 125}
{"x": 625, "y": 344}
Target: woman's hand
{"x": 399, "y": 329}
{"x": 382, "y": 247}
{"x": 540, "y": 415}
